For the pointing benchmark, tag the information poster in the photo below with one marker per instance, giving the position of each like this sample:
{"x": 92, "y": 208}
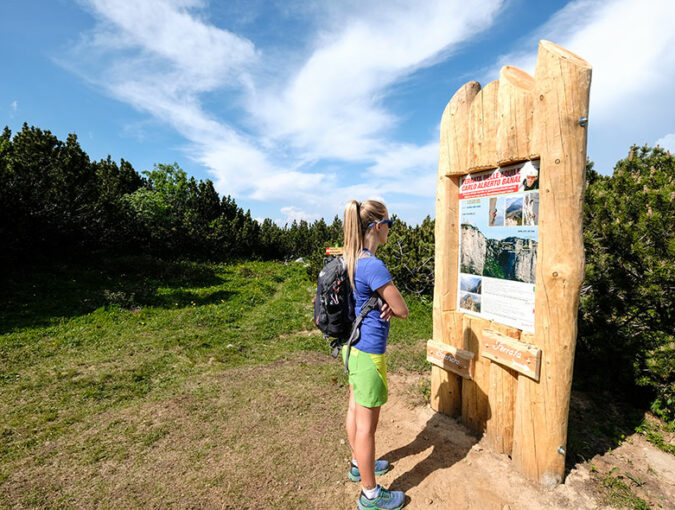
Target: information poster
{"x": 499, "y": 213}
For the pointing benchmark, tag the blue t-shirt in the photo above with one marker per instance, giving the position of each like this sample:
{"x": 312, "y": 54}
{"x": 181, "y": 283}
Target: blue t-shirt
{"x": 370, "y": 275}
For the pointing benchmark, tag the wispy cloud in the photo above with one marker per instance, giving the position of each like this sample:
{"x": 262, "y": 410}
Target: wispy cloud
{"x": 333, "y": 105}
{"x": 630, "y": 46}
{"x": 296, "y": 125}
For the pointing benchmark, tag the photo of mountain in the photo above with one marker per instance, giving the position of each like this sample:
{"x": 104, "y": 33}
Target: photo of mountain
{"x": 470, "y": 283}
{"x": 514, "y": 212}
{"x": 470, "y": 302}
{"x": 513, "y": 258}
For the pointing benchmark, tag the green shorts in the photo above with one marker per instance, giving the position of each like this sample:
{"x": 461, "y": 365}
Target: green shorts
{"x": 367, "y": 377}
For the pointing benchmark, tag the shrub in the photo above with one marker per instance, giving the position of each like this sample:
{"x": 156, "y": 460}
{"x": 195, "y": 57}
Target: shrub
{"x": 626, "y": 310}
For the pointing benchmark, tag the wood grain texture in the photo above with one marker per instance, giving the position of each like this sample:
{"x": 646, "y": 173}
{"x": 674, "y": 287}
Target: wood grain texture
{"x": 475, "y": 407}
{"x": 502, "y": 399}
{"x": 515, "y": 112}
{"x": 458, "y": 132}
{"x": 483, "y": 124}
{"x": 450, "y": 358}
{"x": 446, "y": 386}
{"x": 561, "y": 97}
{"x": 514, "y": 354}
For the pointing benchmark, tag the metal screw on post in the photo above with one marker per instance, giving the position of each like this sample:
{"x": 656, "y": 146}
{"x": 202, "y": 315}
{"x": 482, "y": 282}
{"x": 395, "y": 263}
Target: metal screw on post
{"x": 583, "y": 121}
{"x": 561, "y": 450}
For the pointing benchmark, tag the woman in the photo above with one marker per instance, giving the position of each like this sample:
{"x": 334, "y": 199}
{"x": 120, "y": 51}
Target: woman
{"x": 366, "y": 226}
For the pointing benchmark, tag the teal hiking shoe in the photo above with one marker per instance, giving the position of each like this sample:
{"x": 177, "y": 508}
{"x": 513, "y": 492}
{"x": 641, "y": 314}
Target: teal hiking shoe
{"x": 387, "y": 500}
{"x": 381, "y": 467}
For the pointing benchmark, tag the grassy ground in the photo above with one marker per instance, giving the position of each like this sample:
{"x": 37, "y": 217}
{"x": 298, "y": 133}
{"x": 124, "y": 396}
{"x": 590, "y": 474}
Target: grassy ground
{"x": 124, "y": 383}
{"x": 140, "y": 383}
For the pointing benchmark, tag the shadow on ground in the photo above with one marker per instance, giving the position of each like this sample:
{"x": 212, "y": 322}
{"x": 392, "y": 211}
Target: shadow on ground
{"x": 444, "y": 453}
{"x": 34, "y": 296}
{"x": 597, "y": 424}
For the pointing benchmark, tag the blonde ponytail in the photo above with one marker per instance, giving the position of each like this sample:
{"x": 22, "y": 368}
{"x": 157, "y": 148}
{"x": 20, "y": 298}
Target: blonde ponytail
{"x": 356, "y": 221}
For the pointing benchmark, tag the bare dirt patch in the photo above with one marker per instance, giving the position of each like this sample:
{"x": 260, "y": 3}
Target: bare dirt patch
{"x": 440, "y": 465}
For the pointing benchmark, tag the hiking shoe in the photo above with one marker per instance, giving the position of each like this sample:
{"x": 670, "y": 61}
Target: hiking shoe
{"x": 389, "y": 500}
{"x": 381, "y": 467}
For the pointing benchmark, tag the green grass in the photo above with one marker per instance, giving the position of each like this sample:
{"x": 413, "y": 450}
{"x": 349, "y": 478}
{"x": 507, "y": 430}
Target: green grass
{"x": 619, "y": 494}
{"x": 653, "y": 430}
{"x": 81, "y": 346}
{"x": 90, "y": 355}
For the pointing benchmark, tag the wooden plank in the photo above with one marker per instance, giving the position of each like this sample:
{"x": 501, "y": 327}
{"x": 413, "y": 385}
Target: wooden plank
{"x": 483, "y": 124}
{"x": 455, "y": 360}
{"x": 446, "y": 397}
{"x": 475, "y": 405}
{"x": 446, "y": 385}
{"x": 561, "y": 99}
{"x": 502, "y": 399}
{"x": 458, "y": 132}
{"x": 447, "y": 243}
{"x": 516, "y": 111}
{"x": 518, "y": 356}
{"x": 334, "y": 250}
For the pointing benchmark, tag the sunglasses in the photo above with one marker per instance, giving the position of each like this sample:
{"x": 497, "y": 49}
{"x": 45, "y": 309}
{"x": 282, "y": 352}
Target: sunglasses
{"x": 386, "y": 222}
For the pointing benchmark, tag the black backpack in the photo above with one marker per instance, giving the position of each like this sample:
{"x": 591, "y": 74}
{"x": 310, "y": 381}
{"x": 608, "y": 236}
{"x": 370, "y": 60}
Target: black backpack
{"x": 334, "y": 307}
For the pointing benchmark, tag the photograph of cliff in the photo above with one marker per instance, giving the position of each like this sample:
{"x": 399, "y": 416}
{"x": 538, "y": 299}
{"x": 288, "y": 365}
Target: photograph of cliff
{"x": 531, "y": 209}
{"x": 513, "y": 258}
{"x": 496, "y": 212}
{"x": 470, "y": 302}
{"x": 473, "y": 250}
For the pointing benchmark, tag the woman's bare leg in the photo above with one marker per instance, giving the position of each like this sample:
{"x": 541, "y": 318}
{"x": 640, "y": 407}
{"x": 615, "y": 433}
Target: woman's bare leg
{"x": 366, "y": 419}
{"x": 351, "y": 421}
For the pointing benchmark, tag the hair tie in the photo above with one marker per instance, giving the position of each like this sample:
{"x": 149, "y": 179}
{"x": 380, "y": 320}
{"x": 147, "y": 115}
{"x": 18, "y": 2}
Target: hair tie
{"x": 358, "y": 214}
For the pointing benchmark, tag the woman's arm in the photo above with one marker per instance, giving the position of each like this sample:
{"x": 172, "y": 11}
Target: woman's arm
{"x": 394, "y": 303}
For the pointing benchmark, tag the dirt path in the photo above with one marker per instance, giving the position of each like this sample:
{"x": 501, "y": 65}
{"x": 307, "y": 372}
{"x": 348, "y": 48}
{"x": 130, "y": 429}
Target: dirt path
{"x": 439, "y": 465}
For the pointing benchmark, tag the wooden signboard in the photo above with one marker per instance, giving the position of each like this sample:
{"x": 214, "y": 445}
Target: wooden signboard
{"x": 491, "y": 134}
{"x": 335, "y": 251}
{"x": 449, "y": 358}
{"x": 518, "y": 356}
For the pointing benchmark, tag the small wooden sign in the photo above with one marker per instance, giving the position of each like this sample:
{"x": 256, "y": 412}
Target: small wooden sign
{"x": 334, "y": 250}
{"x": 450, "y": 358}
{"x": 519, "y": 356}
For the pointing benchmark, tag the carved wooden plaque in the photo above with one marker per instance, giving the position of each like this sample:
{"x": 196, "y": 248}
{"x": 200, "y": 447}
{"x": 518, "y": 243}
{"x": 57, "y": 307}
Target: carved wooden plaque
{"x": 450, "y": 358}
{"x": 518, "y": 356}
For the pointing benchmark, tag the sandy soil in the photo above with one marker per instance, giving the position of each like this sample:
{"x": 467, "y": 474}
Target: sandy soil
{"x": 440, "y": 465}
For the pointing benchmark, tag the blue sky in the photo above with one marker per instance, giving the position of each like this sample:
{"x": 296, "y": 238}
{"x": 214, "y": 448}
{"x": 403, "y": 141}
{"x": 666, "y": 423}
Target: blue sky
{"x": 295, "y": 107}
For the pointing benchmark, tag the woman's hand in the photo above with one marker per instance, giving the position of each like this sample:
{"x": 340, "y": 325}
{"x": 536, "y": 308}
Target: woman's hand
{"x": 396, "y": 306}
{"x": 386, "y": 312}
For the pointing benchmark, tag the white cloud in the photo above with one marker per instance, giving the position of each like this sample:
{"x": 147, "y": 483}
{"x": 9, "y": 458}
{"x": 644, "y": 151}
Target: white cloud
{"x": 292, "y": 214}
{"x": 202, "y": 55}
{"x": 401, "y": 159}
{"x": 629, "y": 44}
{"x": 667, "y": 142}
{"x": 332, "y": 107}
{"x": 322, "y": 105}
{"x": 14, "y": 106}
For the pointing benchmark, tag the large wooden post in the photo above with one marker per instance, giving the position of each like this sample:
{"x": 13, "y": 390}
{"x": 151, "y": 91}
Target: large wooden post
{"x": 561, "y": 99}
{"x": 514, "y": 385}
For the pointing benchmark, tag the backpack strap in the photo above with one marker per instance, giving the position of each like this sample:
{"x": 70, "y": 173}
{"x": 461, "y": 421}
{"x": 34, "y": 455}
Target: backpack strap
{"x": 355, "y": 335}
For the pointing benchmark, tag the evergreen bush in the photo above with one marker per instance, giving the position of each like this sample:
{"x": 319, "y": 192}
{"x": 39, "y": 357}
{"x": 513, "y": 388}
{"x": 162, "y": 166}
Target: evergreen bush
{"x": 626, "y": 322}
